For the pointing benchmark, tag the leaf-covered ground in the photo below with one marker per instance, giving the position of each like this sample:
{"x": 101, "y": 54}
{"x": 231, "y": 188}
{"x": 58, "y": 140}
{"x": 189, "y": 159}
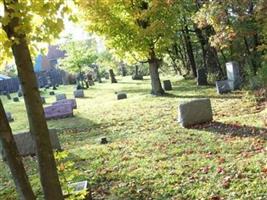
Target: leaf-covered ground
{"x": 149, "y": 156}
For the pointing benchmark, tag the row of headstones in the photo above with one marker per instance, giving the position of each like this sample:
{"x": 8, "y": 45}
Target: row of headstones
{"x": 223, "y": 86}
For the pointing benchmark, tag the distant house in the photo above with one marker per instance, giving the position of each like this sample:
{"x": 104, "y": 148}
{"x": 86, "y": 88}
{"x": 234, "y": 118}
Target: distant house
{"x": 44, "y": 63}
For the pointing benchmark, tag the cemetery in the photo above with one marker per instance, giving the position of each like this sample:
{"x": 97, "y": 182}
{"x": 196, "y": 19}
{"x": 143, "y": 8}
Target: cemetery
{"x": 139, "y": 100}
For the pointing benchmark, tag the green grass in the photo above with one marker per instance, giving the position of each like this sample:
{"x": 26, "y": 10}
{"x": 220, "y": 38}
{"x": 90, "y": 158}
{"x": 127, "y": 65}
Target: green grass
{"x": 149, "y": 156}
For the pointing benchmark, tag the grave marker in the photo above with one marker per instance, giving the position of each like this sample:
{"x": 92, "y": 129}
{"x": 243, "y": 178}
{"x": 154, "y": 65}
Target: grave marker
{"x": 233, "y": 74}
{"x": 67, "y": 101}
{"x": 60, "y": 97}
{"x": 121, "y": 95}
{"x": 224, "y": 86}
{"x": 78, "y": 93}
{"x": 167, "y": 85}
{"x": 58, "y": 111}
{"x": 202, "y": 77}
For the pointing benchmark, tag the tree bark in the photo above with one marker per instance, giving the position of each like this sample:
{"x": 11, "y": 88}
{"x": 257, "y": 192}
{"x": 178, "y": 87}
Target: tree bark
{"x": 154, "y": 64}
{"x": 13, "y": 159}
{"x": 38, "y": 126}
{"x": 190, "y": 52}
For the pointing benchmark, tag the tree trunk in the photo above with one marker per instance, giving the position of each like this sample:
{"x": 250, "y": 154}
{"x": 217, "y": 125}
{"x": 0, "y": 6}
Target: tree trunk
{"x": 38, "y": 126}
{"x": 190, "y": 52}
{"x": 13, "y": 159}
{"x": 154, "y": 64}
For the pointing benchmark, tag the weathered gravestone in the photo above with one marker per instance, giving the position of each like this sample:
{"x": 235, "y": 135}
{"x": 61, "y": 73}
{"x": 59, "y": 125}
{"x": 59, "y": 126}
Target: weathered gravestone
{"x": 67, "y": 101}
{"x": 58, "y": 111}
{"x": 9, "y": 117}
{"x": 16, "y": 99}
{"x": 121, "y": 95}
{"x": 167, "y": 85}
{"x": 60, "y": 97}
{"x": 224, "y": 86}
{"x": 26, "y": 145}
{"x": 78, "y": 93}
{"x": 20, "y": 94}
{"x": 51, "y": 93}
{"x": 202, "y": 77}
{"x": 43, "y": 100}
{"x": 8, "y": 96}
{"x": 233, "y": 74}
{"x": 195, "y": 112}
{"x": 103, "y": 140}
{"x": 77, "y": 188}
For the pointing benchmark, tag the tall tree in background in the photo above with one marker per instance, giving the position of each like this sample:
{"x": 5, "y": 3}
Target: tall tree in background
{"x": 139, "y": 29}
{"x": 23, "y": 24}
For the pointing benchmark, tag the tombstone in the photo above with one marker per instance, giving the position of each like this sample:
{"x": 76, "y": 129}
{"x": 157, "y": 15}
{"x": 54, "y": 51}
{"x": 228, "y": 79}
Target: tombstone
{"x": 112, "y": 76}
{"x": 78, "y": 93}
{"x": 54, "y": 88}
{"x": 167, "y": 85}
{"x": 26, "y": 144}
{"x": 16, "y": 99}
{"x": 43, "y": 100}
{"x": 8, "y": 96}
{"x": 121, "y": 95}
{"x": 195, "y": 112}
{"x": 103, "y": 140}
{"x": 224, "y": 86}
{"x": 60, "y": 97}
{"x": 47, "y": 87}
{"x": 79, "y": 187}
{"x": 202, "y": 77}
{"x": 233, "y": 74}
{"x": 137, "y": 75}
{"x": 67, "y": 101}
{"x": 58, "y": 111}
{"x": 20, "y": 94}
{"x": 51, "y": 93}
{"x": 9, "y": 117}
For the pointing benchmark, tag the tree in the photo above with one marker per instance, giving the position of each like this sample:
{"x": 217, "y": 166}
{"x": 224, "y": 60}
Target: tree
{"x": 13, "y": 158}
{"x": 139, "y": 29}
{"x": 24, "y": 24}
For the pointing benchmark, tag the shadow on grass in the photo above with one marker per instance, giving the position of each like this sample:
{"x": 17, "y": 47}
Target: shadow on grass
{"x": 170, "y": 95}
{"x": 232, "y": 129}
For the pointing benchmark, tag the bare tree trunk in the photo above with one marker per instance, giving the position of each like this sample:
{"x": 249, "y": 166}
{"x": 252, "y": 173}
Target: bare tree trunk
{"x": 154, "y": 65}
{"x": 38, "y": 126}
{"x": 13, "y": 159}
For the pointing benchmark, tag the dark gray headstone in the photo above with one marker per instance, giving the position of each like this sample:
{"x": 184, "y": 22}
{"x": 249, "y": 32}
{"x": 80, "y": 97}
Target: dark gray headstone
{"x": 195, "y": 112}
{"x": 58, "y": 111}
{"x": 202, "y": 77}
{"x": 26, "y": 145}
{"x": 78, "y": 93}
{"x": 60, "y": 97}
{"x": 121, "y": 95}
{"x": 9, "y": 117}
{"x": 233, "y": 74}
{"x": 67, "y": 101}
{"x": 51, "y": 93}
{"x": 20, "y": 94}
{"x": 137, "y": 77}
{"x": 8, "y": 96}
{"x": 103, "y": 140}
{"x": 54, "y": 88}
{"x": 16, "y": 99}
{"x": 224, "y": 86}
{"x": 43, "y": 100}
{"x": 167, "y": 85}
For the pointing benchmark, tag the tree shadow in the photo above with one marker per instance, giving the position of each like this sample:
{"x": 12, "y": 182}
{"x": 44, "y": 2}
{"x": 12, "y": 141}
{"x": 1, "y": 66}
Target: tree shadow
{"x": 170, "y": 95}
{"x": 232, "y": 129}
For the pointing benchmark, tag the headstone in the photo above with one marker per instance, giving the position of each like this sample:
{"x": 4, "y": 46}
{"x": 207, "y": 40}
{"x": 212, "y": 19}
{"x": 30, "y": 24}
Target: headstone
{"x": 47, "y": 87}
{"x": 233, "y": 74}
{"x": 9, "y": 117}
{"x": 167, "y": 85}
{"x": 78, "y": 93}
{"x": 79, "y": 187}
{"x": 224, "y": 86}
{"x": 26, "y": 144}
{"x": 121, "y": 95}
{"x": 195, "y": 112}
{"x": 60, "y": 97}
{"x": 58, "y": 111}
{"x": 67, "y": 101}
{"x": 20, "y": 94}
{"x": 54, "y": 87}
{"x": 43, "y": 100}
{"x": 79, "y": 87}
{"x": 103, "y": 140}
{"x": 16, "y": 99}
{"x": 137, "y": 75}
{"x": 51, "y": 93}
{"x": 202, "y": 77}
{"x": 8, "y": 96}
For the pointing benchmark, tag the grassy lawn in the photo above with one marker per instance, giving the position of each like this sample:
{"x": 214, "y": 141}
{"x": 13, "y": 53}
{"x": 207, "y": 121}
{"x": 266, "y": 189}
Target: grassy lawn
{"x": 149, "y": 156}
